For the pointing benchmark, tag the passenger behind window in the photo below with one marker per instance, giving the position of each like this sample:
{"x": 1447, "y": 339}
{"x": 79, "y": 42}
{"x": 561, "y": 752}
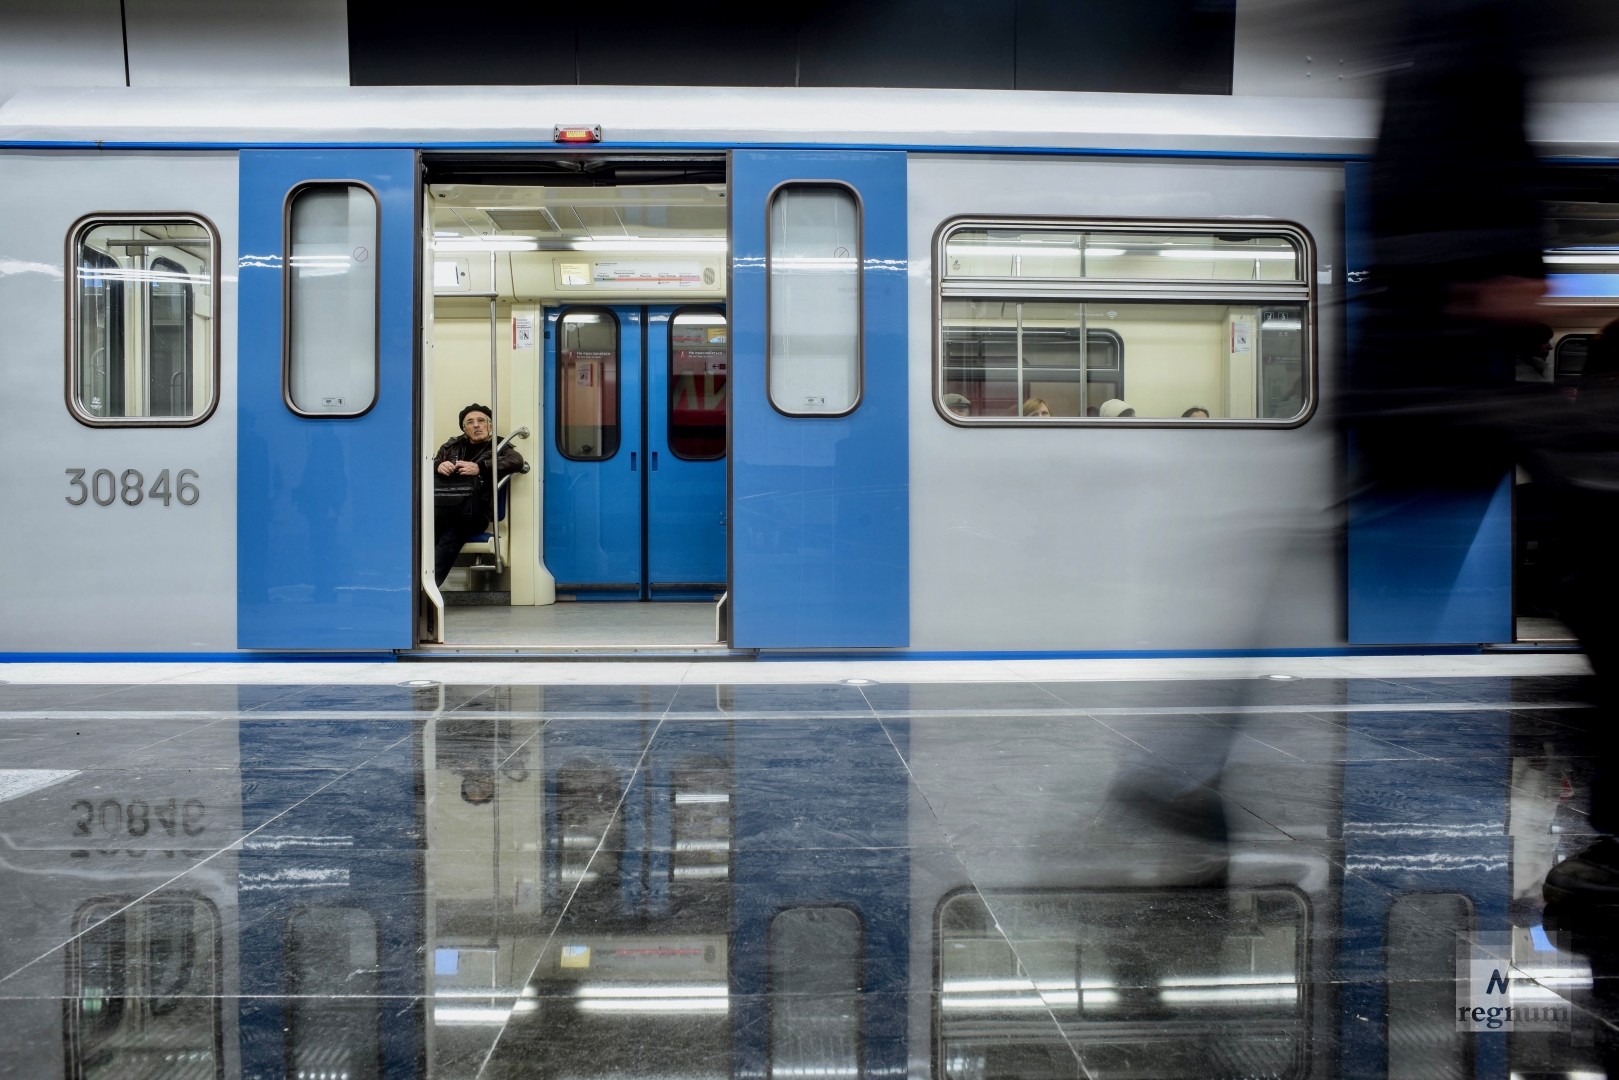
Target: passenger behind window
{"x": 1196, "y": 412}
{"x": 958, "y": 404}
{"x": 458, "y": 518}
{"x": 1036, "y": 407}
{"x": 1115, "y": 407}
{"x": 1532, "y": 345}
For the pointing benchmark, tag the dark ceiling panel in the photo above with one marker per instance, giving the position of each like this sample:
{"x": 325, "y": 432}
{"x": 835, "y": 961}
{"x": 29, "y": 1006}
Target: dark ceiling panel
{"x": 1142, "y": 46}
{"x": 675, "y": 45}
{"x": 1139, "y": 46}
{"x": 962, "y": 44}
{"x": 497, "y": 43}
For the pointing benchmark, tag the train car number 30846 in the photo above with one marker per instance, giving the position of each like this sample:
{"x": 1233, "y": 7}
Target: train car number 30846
{"x": 129, "y": 487}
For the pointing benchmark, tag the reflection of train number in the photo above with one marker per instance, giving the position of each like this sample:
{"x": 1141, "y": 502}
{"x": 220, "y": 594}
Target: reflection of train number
{"x": 137, "y": 817}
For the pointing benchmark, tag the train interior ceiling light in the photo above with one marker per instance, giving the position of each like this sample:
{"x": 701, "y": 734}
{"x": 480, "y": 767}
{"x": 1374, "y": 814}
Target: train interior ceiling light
{"x": 651, "y": 219}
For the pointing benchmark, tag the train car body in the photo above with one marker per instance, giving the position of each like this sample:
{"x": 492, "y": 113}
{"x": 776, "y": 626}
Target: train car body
{"x": 729, "y": 338}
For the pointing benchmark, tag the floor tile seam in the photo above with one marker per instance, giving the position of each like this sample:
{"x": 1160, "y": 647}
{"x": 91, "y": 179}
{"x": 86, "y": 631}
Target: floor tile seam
{"x": 562, "y": 911}
{"x": 233, "y": 846}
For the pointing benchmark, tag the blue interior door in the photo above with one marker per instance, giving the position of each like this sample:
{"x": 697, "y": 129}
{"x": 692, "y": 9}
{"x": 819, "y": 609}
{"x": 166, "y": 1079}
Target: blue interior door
{"x": 687, "y": 379}
{"x": 595, "y": 458}
{"x": 325, "y": 459}
{"x": 635, "y": 467}
{"x": 820, "y": 472}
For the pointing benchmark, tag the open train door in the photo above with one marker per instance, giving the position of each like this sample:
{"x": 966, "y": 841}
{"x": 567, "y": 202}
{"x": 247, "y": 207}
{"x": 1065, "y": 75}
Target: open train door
{"x": 820, "y": 473}
{"x": 327, "y": 350}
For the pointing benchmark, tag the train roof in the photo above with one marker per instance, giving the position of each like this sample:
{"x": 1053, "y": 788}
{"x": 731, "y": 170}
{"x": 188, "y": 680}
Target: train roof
{"x": 714, "y": 118}
{"x": 710, "y": 118}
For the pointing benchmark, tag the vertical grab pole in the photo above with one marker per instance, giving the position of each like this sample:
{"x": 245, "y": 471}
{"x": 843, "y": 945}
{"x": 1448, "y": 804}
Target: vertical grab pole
{"x": 494, "y": 438}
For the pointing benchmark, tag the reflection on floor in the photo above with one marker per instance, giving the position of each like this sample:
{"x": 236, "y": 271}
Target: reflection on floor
{"x": 585, "y": 624}
{"x": 1530, "y": 628}
{"x": 1014, "y": 869}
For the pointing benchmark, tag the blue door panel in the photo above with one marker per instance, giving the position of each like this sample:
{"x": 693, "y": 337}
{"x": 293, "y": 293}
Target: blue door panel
{"x": 593, "y": 507}
{"x": 325, "y": 511}
{"x": 820, "y": 540}
{"x": 685, "y": 497}
{"x": 1431, "y": 569}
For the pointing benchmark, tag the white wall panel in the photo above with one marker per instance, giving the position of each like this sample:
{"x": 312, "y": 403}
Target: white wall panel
{"x": 60, "y": 43}
{"x": 118, "y": 578}
{"x": 240, "y": 43}
{"x": 1068, "y": 538}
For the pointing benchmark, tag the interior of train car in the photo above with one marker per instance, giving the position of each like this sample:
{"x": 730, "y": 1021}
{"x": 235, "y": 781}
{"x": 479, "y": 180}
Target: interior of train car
{"x": 1582, "y": 224}
{"x": 583, "y": 301}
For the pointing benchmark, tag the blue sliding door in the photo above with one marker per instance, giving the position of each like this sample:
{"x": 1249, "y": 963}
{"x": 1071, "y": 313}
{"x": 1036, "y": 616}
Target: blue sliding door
{"x": 820, "y": 472}
{"x": 326, "y": 360}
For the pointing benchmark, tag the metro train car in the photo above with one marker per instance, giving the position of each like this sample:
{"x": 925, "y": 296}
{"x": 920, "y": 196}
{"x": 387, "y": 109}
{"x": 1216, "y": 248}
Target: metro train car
{"x": 790, "y": 371}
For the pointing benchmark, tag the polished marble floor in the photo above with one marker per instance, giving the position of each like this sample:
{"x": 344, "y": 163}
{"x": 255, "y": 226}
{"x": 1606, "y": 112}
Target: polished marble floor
{"x": 1032, "y": 869}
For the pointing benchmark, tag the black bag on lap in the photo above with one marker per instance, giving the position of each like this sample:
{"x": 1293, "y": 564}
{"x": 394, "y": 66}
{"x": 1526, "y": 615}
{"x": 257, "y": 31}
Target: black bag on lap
{"x": 457, "y": 494}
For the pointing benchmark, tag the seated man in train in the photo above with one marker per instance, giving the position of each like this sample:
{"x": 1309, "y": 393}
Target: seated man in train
{"x": 467, "y": 454}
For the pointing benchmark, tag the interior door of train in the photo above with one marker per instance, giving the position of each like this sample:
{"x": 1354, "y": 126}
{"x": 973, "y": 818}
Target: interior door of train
{"x": 635, "y": 468}
{"x": 820, "y": 469}
{"x": 326, "y": 352}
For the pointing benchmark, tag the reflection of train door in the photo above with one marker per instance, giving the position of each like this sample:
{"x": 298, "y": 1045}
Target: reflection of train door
{"x": 635, "y": 458}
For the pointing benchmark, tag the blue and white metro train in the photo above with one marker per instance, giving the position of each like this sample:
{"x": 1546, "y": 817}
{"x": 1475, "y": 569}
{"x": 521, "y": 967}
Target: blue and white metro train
{"x": 965, "y": 372}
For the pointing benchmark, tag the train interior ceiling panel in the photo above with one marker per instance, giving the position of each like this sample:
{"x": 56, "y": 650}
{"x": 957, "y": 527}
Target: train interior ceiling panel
{"x": 968, "y": 372}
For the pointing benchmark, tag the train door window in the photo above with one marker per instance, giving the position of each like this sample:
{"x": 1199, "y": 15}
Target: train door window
{"x": 817, "y": 961}
{"x": 1569, "y": 358}
{"x": 699, "y": 361}
{"x": 168, "y": 330}
{"x": 335, "y": 1022}
{"x": 143, "y": 324}
{"x": 813, "y": 299}
{"x": 1073, "y": 323}
{"x": 144, "y": 984}
{"x": 588, "y": 405}
{"x": 331, "y": 298}
{"x": 1424, "y": 932}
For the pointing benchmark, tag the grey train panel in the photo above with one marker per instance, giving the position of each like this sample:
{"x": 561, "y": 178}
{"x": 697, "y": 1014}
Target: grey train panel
{"x": 1063, "y": 538}
{"x": 114, "y": 578}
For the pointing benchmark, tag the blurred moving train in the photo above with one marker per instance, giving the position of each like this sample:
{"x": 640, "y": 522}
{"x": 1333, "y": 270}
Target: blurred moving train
{"x": 782, "y": 354}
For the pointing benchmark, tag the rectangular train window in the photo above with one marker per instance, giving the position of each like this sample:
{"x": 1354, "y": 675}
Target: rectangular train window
{"x": 813, "y": 299}
{"x": 143, "y": 320}
{"x": 699, "y": 361}
{"x": 1090, "y": 323}
{"x": 587, "y": 385}
{"x": 331, "y": 297}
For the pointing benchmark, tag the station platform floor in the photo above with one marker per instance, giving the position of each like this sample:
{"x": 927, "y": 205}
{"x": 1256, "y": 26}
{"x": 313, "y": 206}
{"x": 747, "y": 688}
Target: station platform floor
{"x": 1222, "y": 867}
